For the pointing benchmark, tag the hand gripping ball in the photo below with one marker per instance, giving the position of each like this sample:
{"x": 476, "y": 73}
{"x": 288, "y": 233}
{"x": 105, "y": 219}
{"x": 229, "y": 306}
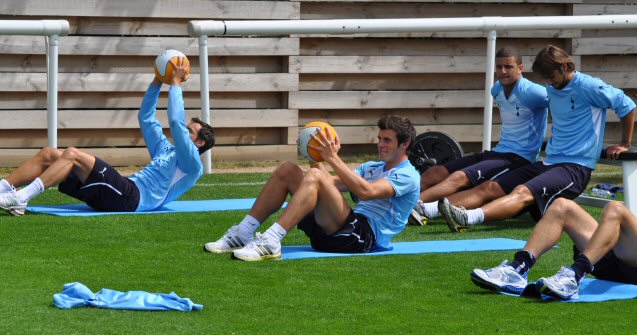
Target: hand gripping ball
{"x": 163, "y": 68}
{"x": 305, "y": 139}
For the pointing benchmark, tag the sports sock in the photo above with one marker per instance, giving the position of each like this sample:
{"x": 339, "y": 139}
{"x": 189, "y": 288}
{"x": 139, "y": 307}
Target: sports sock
{"x": 31, "y": 191}
{"x": 581, "y": 267}
{"x": 248, "y": 226}
{"x": 5, "y": 186}
{"x": 431, "y": 209}
{"x": 523, "y": 261}
{"x": 475, "y": 216}
{"x": 275, "y": 232}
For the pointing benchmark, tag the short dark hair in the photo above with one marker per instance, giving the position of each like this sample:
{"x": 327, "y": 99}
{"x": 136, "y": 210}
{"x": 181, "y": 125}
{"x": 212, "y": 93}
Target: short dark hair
{"x": 510, "y": 51}
{"x": 206, "y": 133}
{"x": 405, "y": 131}
{"x": 552, "y": 58}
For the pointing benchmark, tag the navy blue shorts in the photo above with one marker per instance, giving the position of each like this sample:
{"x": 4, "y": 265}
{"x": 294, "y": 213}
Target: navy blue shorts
{"x": 612, "y": 268}
{"x": 354, "y": 237}
{"x": 104, "y": 190}
{"x": 487, "y": 165}
{"x": 547, "y": 183}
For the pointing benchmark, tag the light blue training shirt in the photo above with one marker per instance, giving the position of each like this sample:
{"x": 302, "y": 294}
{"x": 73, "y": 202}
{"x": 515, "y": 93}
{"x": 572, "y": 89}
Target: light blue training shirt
{"x": 174, "y": 169}
{"x": 388, "y": 216}
{"x": 579, "y": 117}
{"x": 524, "y": 117}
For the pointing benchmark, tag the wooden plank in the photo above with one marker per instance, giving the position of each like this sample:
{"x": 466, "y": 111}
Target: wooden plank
{"x": 415, "y": 47}
{"x": 139, "y": 64}
{"x": 121, "y": 100}
{"x": 598, "y": 9}
{"x": 388, "y": 99}
{"x": 390, "y": 64}
{"x": 127, "y": 119}
{"x": 191, "y": 9}
{"x": 605, "y": 46}
{"x": 91, "y": 138}
{"x": 391, "y": 81}
{"x": 151, "y": 46}
{"x": 369, "y": 134}
{"x": 139, "y": 156}
{"x": 359, "y": 10}
{"x": 617, "y": 79}
{"x": 136, "y": 82}
{"x": 609, "y": 63}
{"x": 433, "y": 116}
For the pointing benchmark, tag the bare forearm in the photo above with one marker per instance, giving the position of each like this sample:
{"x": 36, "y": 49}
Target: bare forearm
{"x": 628, "y": 123}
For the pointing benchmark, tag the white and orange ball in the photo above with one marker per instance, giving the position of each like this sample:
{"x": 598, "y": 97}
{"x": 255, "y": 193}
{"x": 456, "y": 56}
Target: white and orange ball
{"x": 305, "y": 139}
{"x": 164, "y": 68}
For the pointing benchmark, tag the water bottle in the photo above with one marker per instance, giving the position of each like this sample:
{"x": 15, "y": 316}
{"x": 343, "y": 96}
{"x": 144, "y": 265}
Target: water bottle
{"x": 596, "y": 192}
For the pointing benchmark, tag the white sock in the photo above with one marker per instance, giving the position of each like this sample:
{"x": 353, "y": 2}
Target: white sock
{"x": 275, "y": 232}
{"x": 431, "y": 209}
{"x": 475, "y": 216}
{"x": 248, "y": 226}
{"x": 31, "y": 191}
{"x": 5, "y": 186}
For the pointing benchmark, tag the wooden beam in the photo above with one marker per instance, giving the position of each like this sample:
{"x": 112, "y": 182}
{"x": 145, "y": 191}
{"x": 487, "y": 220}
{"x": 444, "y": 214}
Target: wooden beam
{"x": 387, "y": 99}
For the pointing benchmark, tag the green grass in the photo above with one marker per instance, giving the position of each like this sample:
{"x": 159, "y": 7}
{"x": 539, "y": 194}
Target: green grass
{"x": 407, "y": 294}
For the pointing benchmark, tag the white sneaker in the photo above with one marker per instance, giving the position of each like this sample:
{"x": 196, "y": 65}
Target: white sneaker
{"x": 231, "y": 240}
{"x": 418, "y": 217}
{"x": 456, "y": 217}
{"x": 502, "y": 278}
{"x": 10, "y": 202}
{"x": 260, "y": 248}
{"x": 562, "y": 285}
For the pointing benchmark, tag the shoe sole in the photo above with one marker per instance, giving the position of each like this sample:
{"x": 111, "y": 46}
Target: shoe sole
{"x": 412, "y": 221}
{"x": 451, "y": 223}
{"x": 545, "y": 290}
{"x": 490, "y": 286}
{"x": 220, "y": 251}
{"x": 13, "y": 211}
{"x": 262, "y": 258}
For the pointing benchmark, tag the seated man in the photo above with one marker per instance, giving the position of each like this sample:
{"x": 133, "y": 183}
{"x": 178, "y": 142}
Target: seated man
{"x": 609, "y": 251}
{"x": 578, "y": 105}
{"x": 174, "y": 169}
{"x": 523, "y": 107}
{"x": 387, "y": 189}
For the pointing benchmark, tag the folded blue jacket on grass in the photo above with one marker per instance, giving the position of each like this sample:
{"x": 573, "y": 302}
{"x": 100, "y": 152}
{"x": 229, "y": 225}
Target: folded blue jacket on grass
{"x": 77, "y": 295}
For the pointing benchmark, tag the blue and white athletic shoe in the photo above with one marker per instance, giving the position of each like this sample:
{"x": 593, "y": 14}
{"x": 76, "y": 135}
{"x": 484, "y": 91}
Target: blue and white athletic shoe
{"x": 259, "y": 249}
{"x": 562, "y": 285}
{"x": 10, "y": 202}
{"x": 231, "y": 240}
{"x": 502, "y": 278}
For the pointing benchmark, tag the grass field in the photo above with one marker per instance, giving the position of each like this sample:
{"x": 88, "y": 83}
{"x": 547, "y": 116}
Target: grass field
{"x": 408, "y": 294}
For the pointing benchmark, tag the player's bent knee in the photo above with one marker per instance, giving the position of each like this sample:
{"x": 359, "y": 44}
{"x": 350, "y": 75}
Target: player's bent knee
{"x": 49, "y": 154}
{"x": 614, "y": 211}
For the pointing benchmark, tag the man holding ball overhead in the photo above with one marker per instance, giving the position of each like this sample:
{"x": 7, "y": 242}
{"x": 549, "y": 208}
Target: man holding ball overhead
{"x": 388, "y": 190}
{"x": 174, "y": 168}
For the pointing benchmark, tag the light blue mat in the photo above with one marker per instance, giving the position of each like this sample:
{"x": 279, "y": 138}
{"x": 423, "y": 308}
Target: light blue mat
{"x": 591, "y": 290}
{"x": 171, "y": 207}
{"x": 408, "y": 248}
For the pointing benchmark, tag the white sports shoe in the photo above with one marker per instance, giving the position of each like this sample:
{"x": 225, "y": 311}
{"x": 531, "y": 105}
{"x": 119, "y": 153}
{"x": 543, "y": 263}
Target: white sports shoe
{"x": 10, "y": 202}
{"x": 456, "y": 217}
{"x": 561, "y": 285}
{"x": 418, "y": 217}
{"x": 231, "y": 240}
{"x": 260, "y": 248}
{"x": 502, "y": 278}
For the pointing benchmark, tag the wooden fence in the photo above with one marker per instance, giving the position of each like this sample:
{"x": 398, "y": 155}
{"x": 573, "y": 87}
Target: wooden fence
{"x": 263, "y": 89}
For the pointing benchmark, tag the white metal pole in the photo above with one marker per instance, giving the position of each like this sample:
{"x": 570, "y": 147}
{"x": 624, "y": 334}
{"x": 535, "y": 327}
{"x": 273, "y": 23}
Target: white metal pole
{"x": 488, "y": 99}
{"x": 205, "y": 95}
{"x": 52, "y": 90}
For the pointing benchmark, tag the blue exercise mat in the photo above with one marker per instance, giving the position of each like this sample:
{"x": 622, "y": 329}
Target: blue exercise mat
{"x": 408, "y": 248}
{"x": 171, "y": 207}
{"x": 591, "y": 290}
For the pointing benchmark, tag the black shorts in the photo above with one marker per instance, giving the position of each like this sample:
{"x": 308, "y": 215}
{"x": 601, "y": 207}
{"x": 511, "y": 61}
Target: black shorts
{"x": 547, "y": 183}
{"x": 104, "y": 190}
{"x": 355, "y": 236}
{"x": 487, "y": 165}
{"x": 612, "y": 268}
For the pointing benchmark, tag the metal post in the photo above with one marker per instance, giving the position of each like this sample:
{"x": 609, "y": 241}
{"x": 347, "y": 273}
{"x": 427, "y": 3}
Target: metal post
{"x": 488, "y": 99}
{"x": 205, "y": 95}
{"x": 52, "y": 90}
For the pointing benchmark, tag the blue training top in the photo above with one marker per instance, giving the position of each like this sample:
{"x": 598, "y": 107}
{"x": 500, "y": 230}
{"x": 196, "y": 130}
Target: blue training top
{"x": 579, "y": 118}
{"x": 174, "y": 169}
{"x": 524, "y": 118}
{"x": 388, "y": 216}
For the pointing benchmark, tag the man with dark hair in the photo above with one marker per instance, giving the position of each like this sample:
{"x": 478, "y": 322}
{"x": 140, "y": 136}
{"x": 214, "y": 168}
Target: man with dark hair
{"x": 387, "y": 189}
{"x": 523, "y": 107}
{"x": 174, "y": 168}
{"x": 578, "y": 105}
{"x": 609, "y": 251}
